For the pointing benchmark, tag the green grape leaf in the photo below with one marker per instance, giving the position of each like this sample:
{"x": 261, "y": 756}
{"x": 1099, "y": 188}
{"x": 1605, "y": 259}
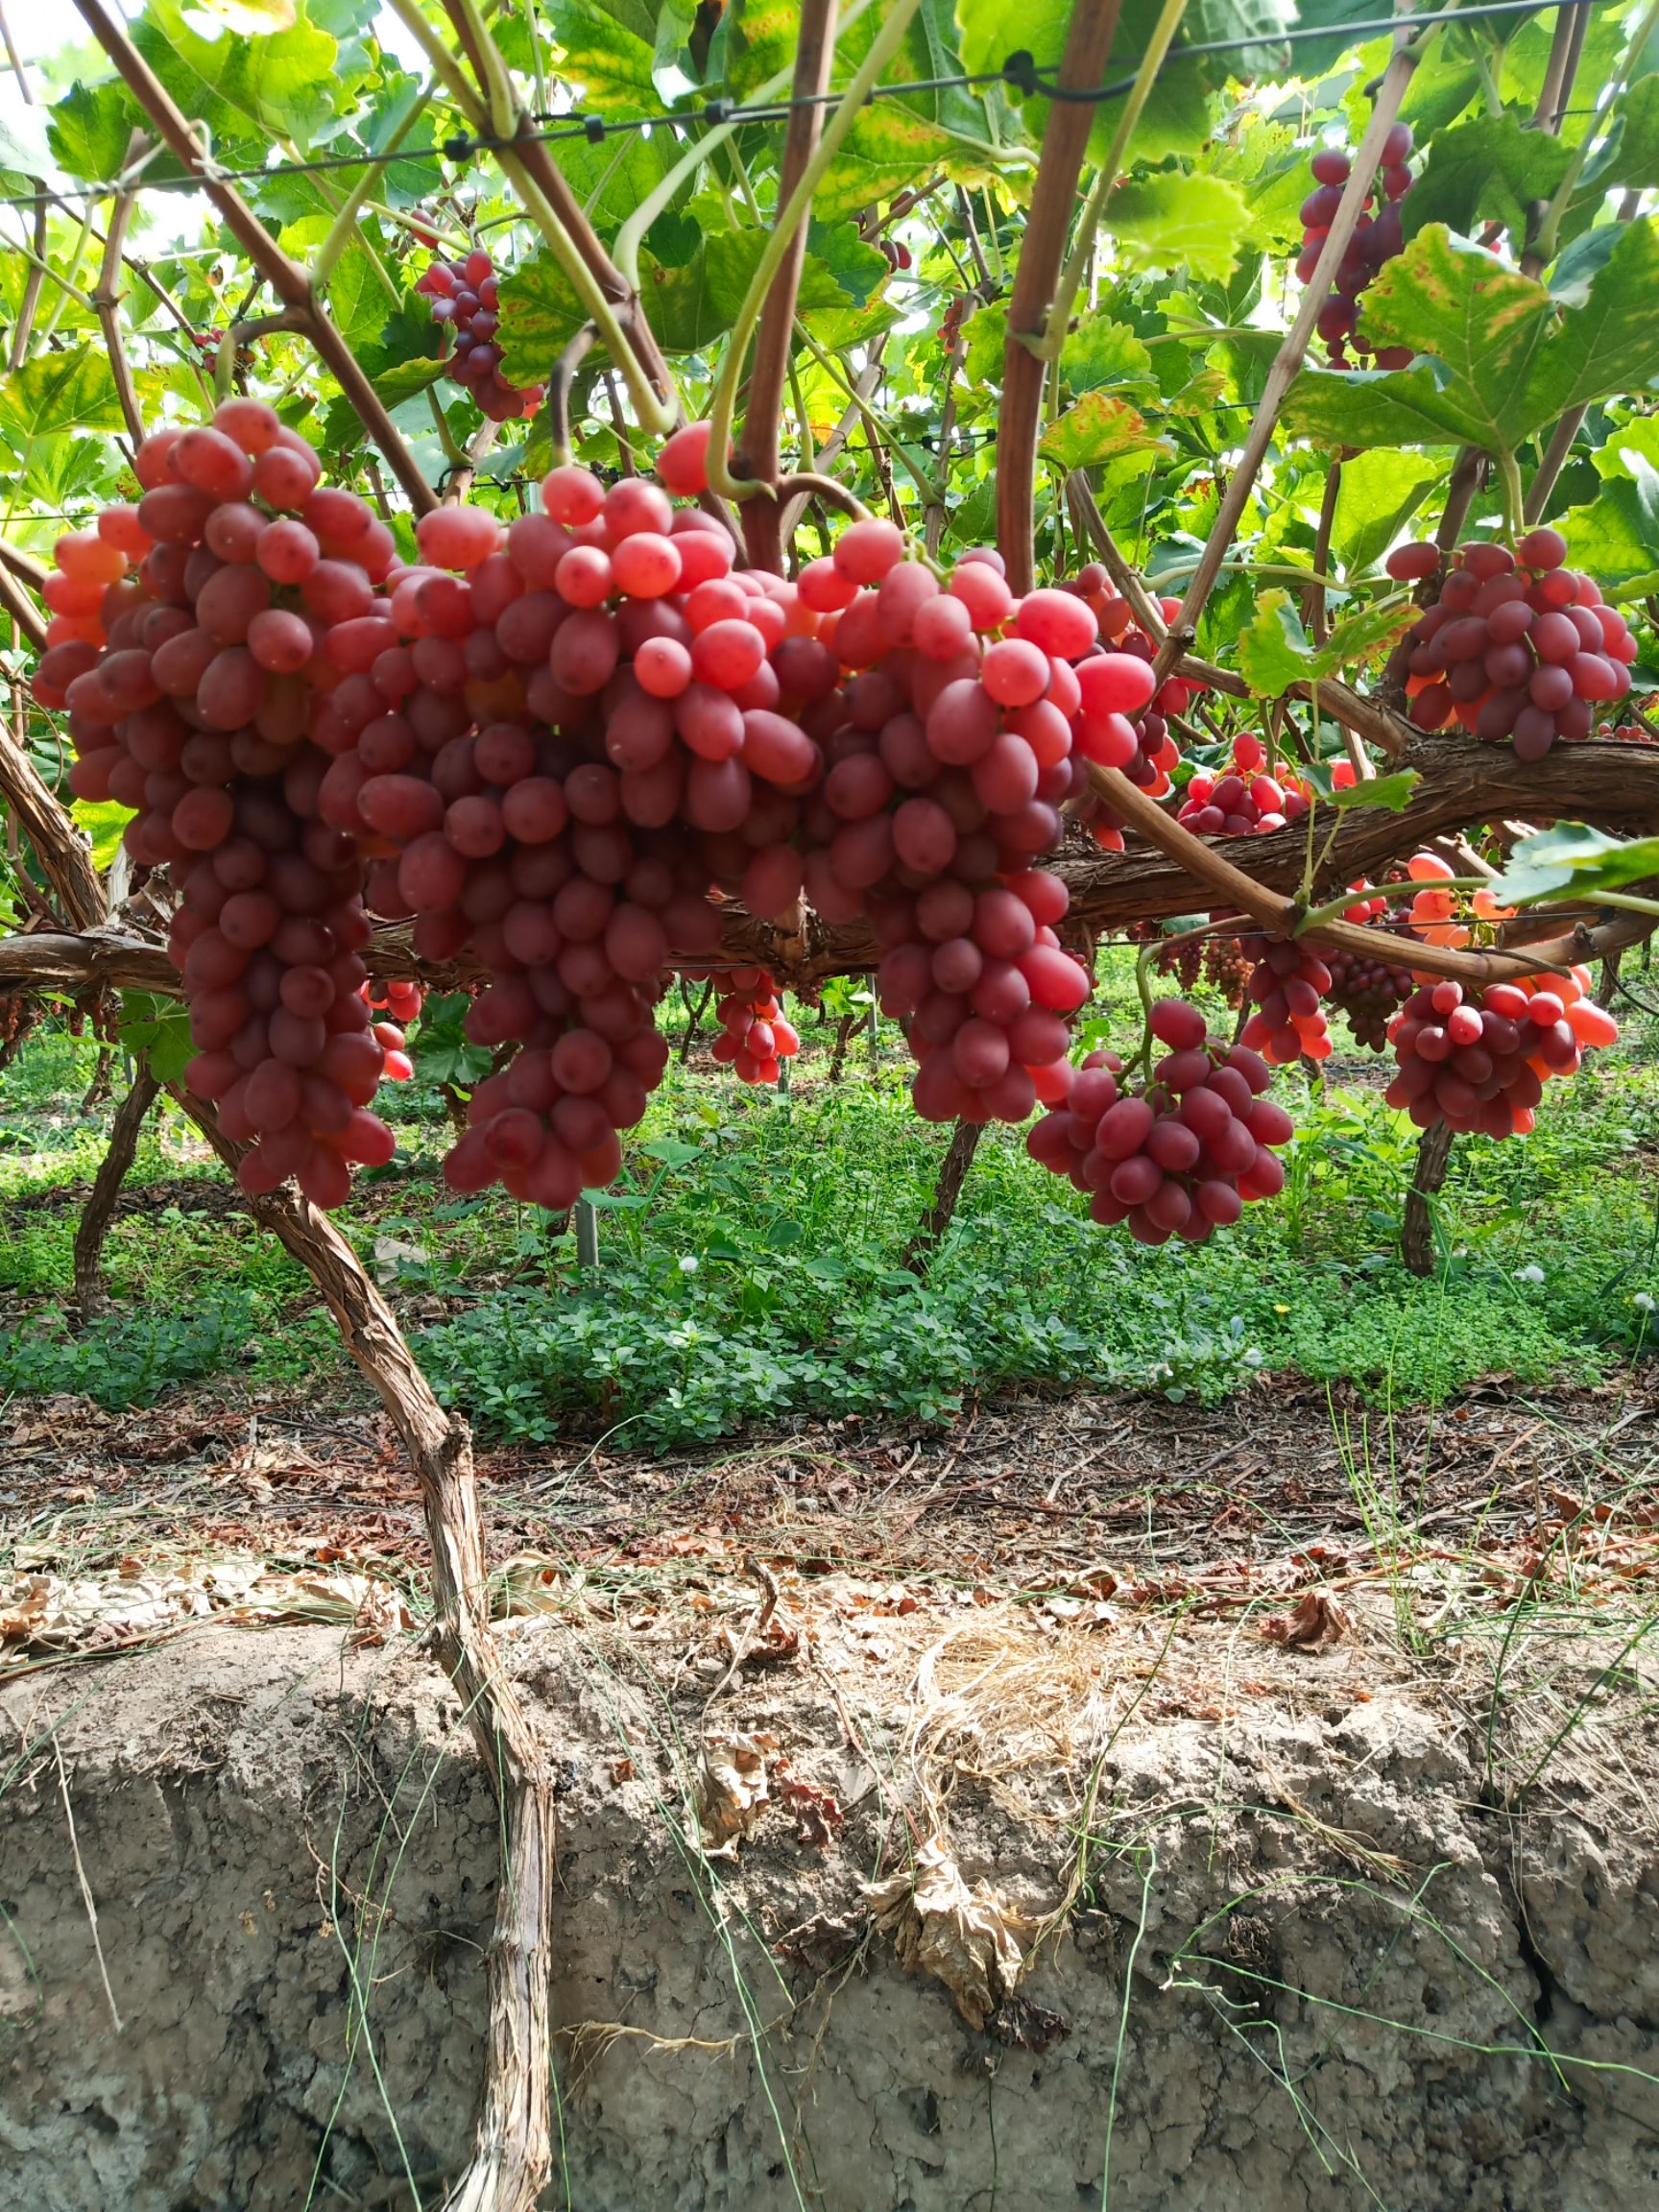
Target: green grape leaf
{"x": 1510, "y": 361}
{"x": 288, "y": 85}
{"x": 1488, "y": 169}
{"x": 610, "y": 50}
{"x": 159, "y": 1030}
{"x": 1617, "y": 534}
{"x": 1175, "y": 222}
{"x": 1574, "y": 856}
{"x": 1098, "y": 428}
{"x": 1380, "y": 492}
{"x": 540, "y": 316}
{"x": 1100, "y": 351}
{"x": 1275, "y": 651}
{"x": 89, "y": 129}
{"x": 58, "y": 392}
{"x": 104, "y": 821}
{"x": 1390, "y": 792}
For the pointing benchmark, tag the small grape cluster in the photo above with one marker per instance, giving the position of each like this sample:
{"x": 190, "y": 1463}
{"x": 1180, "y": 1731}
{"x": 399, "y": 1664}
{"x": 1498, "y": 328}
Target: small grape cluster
{"x": 1365, "y": 989}
{"x": 754, "y": 1036}
{"x": 1243, "y": 799}
{"x": 189, "y": 692}
{"x": 1288, "y": 982}
{"x": 465, "y": 299}
{"x": 1481, "y": 1063}
{"x": 1517, "y": 645}
{"x": 1378, "y": 237}
{"x": 1178, "y": 1154}
{"x": 399, "y": 1002}
{"x": 1226, "y": 968}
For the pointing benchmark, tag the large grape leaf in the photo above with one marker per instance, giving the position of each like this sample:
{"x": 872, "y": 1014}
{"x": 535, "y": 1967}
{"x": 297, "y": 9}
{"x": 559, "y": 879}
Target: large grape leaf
{"x": 55, "y": 393}
{"x": 289, "y": 85}
{"x": 614, "y": 177}
{"x": 89, "y": 129}
{"x": 1380, "y": 492}
{"x": 1102, "y": 351}
{"x": 1176, "y": 222}
{"x": 1098, "y": 428}
{"x": 1488, "y": 169}
{"x": 1573, "y": 856}
{"x": 540, "y": 316}
{"x": 1506, "y": 361}
{"x": 610, "y": 50}
{"x": 1275, "y": 651}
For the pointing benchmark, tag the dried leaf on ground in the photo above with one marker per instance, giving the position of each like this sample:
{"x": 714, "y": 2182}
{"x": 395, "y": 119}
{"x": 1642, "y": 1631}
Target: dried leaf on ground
{"x": 962, "y": 1935}
{"x": 818, "y": 1813}
{"x": 55, "y": 1613}
{"x": 1316, "y": 1622}
{"x": 731, "y": 1789}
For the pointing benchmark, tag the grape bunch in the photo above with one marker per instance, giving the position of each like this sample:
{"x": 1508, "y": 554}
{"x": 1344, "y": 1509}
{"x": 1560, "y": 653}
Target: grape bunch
{"x": 754, "y": 1035}
{"x": 1226, "y": 968}
{"x": 1178, "y": 1154}
{"x": 465, "y": 299}
{"x": 1287, "y": 982}
{"x": 1378, "y": 237}
{"x": 399, "y": 1002}
{"x": 189, "y": 686}
{"x": 1245, "y": 798}
{"x": 1136, "y": 737}
{"x": 1365, "y": 988}
{"x": 1182, "y": 958}
{"x": 1482, "y": 1063}
{"x": 1517, "y": 645}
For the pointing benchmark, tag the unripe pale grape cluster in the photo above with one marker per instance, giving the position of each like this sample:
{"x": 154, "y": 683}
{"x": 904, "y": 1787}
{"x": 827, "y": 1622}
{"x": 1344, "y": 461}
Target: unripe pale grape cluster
{"x": 1378, "y": 237}
{"x": 465, "y": 299}
{"x": 1179, "y": 1153}
{"x": 1518, "y": 646}
{"x": 1480, "y": 1061}
{"x": 191, "y": 687}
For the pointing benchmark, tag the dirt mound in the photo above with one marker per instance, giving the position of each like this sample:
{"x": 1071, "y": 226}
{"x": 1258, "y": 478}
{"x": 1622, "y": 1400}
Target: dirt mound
{"x": 860, "y": 1907}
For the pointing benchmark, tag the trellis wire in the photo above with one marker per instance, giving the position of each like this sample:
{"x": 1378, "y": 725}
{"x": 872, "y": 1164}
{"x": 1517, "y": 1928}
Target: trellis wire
{"x": 1019, "y": 71}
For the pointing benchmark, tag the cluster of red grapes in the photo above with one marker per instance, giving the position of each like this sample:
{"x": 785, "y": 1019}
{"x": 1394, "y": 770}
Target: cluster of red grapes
{"x": 399, "y": 1002}
{"x": 1378, "y": 237}
{"x": 1517, "y": 645}
{"x": 1482, "y": 1063}
{"x": 1365, "y": 989}
{"x": 1287, "y": 982}
{"x": 754, "y": 1035}
{"x": 1179, "y": 1154}
{"x": 188, "y": 700}
{"x": 465, "y": 299}
{"x": 949, "y": 748}
{"x": 1151, "y": 761}
{"x": 1243, "y": 798}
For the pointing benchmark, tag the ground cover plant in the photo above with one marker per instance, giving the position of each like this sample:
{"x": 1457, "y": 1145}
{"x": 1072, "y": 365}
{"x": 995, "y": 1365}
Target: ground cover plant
{"x": 1093, "y": 568}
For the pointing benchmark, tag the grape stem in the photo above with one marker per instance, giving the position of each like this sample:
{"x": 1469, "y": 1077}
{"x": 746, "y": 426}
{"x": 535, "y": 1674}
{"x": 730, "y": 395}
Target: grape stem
{"x": 758, "y": 451}
{"x": 345, "y": 225}
{"x": 1287, "y": 361}
{"x": 791, "y": 219}
{"x": 1053, "y": 339}
{"x": 1089, "y": 40}
{"x": 1317, "y": 916}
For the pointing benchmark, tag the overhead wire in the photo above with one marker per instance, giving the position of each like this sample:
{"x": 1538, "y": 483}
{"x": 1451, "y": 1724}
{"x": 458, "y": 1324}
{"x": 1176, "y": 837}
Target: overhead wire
{"x": 1019, "y": 71}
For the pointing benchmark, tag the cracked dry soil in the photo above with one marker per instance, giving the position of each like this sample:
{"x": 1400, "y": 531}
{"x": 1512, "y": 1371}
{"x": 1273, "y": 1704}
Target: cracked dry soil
{"x": 1323, "y": 1950}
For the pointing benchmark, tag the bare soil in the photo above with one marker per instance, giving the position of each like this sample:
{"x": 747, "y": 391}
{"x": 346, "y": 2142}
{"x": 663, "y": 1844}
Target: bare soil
{"x": 1110, "y": 1803}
